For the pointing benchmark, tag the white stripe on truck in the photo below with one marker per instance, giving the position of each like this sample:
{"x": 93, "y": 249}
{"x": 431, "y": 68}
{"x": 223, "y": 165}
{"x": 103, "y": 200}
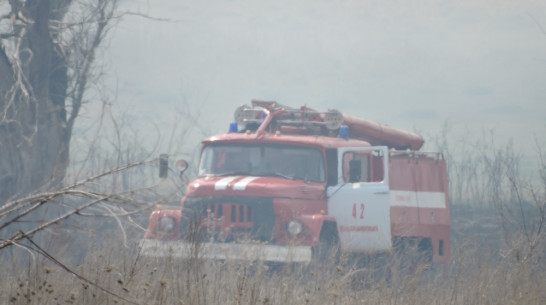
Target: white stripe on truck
{"x": 418, "y": 199}
{"x": 241, "y": 185}
{"x": 222, "y": 184}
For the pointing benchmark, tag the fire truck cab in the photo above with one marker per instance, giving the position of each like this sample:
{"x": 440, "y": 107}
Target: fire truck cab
{"x": 290, "y": 185}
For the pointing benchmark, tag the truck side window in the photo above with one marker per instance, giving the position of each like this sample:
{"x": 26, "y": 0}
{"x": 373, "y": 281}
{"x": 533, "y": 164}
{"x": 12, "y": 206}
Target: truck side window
{"x": 331, "y": 162}
{"x": 355, "y": 171}
{"x": 362, "y": 166}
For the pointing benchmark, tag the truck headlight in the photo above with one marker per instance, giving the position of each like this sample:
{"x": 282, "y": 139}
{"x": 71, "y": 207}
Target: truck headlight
{"x": 294, "y": 227}
{"x": 166, "y": 224}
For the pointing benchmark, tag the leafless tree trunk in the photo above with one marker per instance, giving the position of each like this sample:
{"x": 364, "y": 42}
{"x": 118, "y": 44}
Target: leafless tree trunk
{"x": 47, "y": 48}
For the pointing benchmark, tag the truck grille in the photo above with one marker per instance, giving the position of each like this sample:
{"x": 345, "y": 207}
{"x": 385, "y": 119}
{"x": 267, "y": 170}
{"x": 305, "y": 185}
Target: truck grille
{"x": 235, "y": 215}
{"x": 230, "y": 218}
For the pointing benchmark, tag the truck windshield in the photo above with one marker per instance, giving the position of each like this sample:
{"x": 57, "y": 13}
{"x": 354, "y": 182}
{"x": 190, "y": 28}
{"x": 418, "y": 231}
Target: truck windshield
{"x": 290, "y": 162}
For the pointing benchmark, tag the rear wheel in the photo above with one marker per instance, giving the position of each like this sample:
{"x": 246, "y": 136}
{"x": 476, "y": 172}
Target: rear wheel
{"x": 412, "y": 256}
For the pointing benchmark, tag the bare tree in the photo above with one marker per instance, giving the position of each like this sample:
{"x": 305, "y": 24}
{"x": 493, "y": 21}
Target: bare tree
{"x": 47, "y": 51}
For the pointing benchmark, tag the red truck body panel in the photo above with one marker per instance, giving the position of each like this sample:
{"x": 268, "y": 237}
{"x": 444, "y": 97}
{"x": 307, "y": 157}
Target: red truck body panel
{"x": 419, "y": 201}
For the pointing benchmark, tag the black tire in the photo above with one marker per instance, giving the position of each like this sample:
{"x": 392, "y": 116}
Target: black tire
{"x": 411, "y": 256}
{"x": 326, "y": 255}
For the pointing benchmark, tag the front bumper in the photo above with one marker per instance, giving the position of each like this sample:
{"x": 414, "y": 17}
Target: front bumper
{"x": 226, "y": 251}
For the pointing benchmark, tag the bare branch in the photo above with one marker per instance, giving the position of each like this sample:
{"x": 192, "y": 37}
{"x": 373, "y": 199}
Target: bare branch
{"x": 89, "y": 56}
{"x": 7, "y": 35}
{"x": 138, "y": 14}
{"x": 51, "y": 258}
{"x": 71, "y": 189}
{"x": 537, "y": 23}
{"x": 23, "y": 235}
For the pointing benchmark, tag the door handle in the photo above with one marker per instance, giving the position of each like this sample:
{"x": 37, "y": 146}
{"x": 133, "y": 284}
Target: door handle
{"x": 381, "y": 193}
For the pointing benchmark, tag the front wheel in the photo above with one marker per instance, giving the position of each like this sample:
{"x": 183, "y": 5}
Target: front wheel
{"x": 326, "y": 254}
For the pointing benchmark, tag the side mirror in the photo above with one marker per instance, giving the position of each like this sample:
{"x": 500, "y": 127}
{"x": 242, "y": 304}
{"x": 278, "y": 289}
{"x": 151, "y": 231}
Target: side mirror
{"x": 182, "y": 166}
{"x": 163, "y": 165}
{"x": 355, "y": 171}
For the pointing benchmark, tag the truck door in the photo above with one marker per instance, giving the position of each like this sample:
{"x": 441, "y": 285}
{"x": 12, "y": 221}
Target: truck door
{"x": 360, "y": 200}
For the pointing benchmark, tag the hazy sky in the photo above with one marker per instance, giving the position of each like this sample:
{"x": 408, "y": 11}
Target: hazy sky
{"x": 480, "y": 65}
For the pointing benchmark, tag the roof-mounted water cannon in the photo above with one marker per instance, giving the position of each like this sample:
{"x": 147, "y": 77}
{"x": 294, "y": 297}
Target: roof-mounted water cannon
{"x": 245, "y": 115}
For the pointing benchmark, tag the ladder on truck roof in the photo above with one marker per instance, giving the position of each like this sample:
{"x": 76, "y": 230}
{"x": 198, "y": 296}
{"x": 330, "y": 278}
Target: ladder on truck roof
{"x": 262, "y": 114}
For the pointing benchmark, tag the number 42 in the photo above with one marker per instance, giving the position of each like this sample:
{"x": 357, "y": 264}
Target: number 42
{"x": 362, "y": 207}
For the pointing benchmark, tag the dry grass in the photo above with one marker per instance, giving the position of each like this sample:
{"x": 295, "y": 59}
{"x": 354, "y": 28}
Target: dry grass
{"x": 116, "y": 275}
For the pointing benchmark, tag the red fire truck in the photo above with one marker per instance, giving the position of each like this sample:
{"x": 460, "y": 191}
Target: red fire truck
{"x": 290, "y": 184}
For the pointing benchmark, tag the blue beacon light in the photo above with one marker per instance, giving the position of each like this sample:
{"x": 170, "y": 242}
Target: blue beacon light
{"x": 343, "y": 132}
{"x": 233, "y": 127}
